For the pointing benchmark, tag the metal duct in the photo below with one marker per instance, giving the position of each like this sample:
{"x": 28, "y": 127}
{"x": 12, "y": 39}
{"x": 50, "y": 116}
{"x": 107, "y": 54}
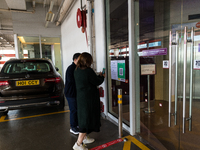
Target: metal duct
{"x": 51, "y": 6}
{"x": 49, "y": 15}
{"x": 21, "y": 11}
{"x": 64, "y": 8}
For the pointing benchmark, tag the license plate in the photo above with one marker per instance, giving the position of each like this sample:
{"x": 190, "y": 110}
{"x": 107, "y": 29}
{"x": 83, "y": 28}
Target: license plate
{"x": 27, "y": 82}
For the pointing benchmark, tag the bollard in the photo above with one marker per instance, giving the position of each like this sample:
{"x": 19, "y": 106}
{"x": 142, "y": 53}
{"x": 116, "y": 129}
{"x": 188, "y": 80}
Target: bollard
{"x": 120, "y": 112}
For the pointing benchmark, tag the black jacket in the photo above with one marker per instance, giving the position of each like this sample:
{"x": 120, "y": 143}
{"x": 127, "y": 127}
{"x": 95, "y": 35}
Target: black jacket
{"x": 70, "y": 87}
{"x": 88, "y": 100}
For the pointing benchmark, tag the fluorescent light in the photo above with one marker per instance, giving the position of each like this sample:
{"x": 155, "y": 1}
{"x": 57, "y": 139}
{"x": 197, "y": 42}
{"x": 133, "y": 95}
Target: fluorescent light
{"x": 21, "y": 38}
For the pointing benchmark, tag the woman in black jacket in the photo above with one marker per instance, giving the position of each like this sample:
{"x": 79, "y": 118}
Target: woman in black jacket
{"x": 88, "y": 101}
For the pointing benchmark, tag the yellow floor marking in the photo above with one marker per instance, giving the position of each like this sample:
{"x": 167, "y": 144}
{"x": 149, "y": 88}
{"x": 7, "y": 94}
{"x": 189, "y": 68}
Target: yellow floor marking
{"x": 3, "y": 117}
{"x": 127, "y": 145}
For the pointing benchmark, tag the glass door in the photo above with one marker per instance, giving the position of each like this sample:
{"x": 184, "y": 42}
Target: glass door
{"x": 169, "y": 50}
{"x": 184, "y": 111}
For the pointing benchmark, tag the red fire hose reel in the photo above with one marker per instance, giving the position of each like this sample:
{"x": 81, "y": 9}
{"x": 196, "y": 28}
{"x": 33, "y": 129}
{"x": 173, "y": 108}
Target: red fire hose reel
{"x": 81, "y": 19}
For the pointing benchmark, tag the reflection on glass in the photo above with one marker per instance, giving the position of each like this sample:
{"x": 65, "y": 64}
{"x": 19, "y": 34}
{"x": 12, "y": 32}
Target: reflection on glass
{"x": 118, "y": 55}
{"x": 29, "y": 47}
{"x": 51, "y": 49}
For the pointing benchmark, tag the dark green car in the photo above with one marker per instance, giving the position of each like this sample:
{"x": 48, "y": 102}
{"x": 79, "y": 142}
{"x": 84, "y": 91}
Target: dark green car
{"x": 29, "y": 83}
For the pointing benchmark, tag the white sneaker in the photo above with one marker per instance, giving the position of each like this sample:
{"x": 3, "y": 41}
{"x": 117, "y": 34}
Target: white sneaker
{"x": 88, "y": 140}
{"x": 80, "y": 147}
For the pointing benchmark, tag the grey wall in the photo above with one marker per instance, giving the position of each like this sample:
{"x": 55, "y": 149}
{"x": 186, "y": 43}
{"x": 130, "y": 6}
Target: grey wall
{"x": 34, "y": 24}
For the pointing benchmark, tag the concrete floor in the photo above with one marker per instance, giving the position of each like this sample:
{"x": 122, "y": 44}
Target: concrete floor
{"x": 48, "y": 129}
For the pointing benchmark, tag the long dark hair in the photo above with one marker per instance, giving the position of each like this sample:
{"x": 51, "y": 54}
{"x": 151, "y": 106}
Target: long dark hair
{"x": 85, "y": 60}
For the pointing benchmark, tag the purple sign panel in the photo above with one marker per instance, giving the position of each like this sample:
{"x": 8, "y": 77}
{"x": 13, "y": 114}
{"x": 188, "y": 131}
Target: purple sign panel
{"x": 199, "y": 48}
{"x": 154, "y": 52}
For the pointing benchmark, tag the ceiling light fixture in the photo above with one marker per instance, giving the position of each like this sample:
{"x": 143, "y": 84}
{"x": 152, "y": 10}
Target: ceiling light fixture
{"x": 21, "y": 38}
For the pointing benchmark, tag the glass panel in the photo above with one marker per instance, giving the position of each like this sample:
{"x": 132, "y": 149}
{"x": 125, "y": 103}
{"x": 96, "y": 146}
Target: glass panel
{"x": 156, "y": 18}
{"x": 166, "y": 41}
{"x": 29, "y": 47}
{"x": 17, "y": 67}
{"x": 51, "y": 49}
{"x": 118, "y": 55}
{"x": 189, "y": 135}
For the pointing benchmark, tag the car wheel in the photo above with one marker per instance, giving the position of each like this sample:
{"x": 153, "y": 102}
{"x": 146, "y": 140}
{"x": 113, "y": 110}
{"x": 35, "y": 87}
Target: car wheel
{"x": 62, "y": 103}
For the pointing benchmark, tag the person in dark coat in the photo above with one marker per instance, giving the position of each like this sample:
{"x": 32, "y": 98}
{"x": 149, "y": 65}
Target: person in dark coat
{"x": 88, "y": 100}
{"x": 70, "y": 94}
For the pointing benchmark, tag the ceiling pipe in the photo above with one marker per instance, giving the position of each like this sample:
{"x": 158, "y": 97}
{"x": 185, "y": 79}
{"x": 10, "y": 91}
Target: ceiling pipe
{"x": 44, "y": 3}
{"x": 49, "y": 15}
{"x": 33, "y": 2}
{"x": 57, "y": 14}
{"x": 20, "y": 11}
{"x": 66, "y": 7}
{"x": 51, "y": 6}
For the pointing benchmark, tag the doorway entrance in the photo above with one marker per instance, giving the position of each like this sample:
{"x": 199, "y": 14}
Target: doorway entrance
{"x": 175, "y": 97}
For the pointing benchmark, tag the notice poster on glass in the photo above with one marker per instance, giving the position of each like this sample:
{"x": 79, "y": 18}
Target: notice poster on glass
{"x": 148, "y": 69}
{"x": 166, "y": 64}
{"x": 197, "y": 64}
{"x": 118, "y": 70}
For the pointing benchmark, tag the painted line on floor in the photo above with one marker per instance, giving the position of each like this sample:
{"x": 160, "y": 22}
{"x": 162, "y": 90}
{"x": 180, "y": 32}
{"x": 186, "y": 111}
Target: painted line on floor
{"x": 107, "y": 144}
{"x": 127, "y": 144}
{"x": 3, "y": 117}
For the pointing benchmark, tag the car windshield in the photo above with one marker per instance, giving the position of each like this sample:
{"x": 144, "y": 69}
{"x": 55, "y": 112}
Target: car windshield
{"x": 27, "y": 67}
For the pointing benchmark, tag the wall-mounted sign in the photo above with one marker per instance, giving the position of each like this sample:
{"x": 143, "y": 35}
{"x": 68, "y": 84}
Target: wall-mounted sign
{"x": 118, "y": 70}
{"x": 199, "y": 47}
{"x": 198, "y": 25}
{"x": 197, "y": 64}
{"x": 153, "y": 52}
{"x": 148, "y": 69}
{"x": 166, "y": 64}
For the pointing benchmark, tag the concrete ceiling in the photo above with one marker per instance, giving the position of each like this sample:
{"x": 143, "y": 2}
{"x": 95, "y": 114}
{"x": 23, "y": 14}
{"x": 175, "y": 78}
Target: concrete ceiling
{"x": 6, "y": 25}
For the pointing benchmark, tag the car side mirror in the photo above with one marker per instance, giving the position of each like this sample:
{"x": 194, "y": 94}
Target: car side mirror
{"x": 57, "y": 69}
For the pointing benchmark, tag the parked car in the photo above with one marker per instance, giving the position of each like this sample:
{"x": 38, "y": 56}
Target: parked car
{"x": 29, "y": 83}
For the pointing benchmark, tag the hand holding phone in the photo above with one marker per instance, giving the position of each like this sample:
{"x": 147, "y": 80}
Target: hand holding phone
{"x": 103, "y": 72}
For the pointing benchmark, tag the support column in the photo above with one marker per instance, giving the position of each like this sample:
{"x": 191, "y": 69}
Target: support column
{"x": 40, "y": 46}
{"x": 134, "y": 76}
{"x": 16, "y": 46}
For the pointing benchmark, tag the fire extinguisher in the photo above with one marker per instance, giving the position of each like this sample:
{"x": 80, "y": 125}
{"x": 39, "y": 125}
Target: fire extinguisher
{"x": 101, "y": 92}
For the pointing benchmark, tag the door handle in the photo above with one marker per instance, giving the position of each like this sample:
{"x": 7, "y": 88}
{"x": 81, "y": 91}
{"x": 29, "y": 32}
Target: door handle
{"x": 191, "y": 78}
{"x": 184, "y": 77}
{"x": 176, "y": 79}
{"x": 170, "y": 75}
{"x": 184, "y": 74}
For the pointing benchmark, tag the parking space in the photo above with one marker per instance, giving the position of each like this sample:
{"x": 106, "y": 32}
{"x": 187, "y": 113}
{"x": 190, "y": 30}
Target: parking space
{"x": 48, "y": 128}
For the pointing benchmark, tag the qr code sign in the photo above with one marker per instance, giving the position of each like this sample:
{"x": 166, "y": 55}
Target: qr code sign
{"x": 197, "y": 64}
{"x": 165, "y": 63}
{"x": 121, "y": 71}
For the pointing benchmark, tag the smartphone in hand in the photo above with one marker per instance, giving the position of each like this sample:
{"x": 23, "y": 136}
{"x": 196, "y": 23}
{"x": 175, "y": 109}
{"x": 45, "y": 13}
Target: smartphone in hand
{"x": 103, "y": 71}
